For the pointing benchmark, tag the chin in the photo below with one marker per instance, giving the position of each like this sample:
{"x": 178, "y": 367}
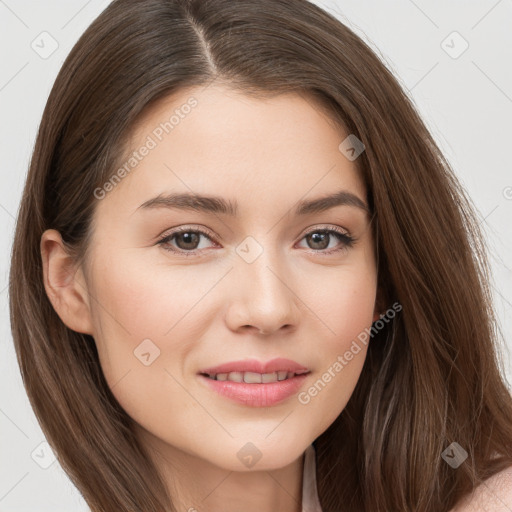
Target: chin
{"x": 262, "y": 455}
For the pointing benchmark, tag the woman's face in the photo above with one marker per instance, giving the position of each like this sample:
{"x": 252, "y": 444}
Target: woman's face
{"x": 251, "y": 277}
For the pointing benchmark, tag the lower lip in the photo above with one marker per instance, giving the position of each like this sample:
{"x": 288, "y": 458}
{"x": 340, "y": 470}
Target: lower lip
{"x": 257, "y": 395}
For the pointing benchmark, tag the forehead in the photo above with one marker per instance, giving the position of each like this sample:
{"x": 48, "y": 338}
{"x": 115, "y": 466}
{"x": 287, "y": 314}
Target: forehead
{"x": 214, "y": 140}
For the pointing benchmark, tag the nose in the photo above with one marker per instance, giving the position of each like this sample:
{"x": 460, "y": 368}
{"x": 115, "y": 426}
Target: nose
{"x": 262, "y": 298}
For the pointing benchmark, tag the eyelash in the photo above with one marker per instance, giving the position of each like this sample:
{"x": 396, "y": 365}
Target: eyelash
{"x": 347, "y": 240}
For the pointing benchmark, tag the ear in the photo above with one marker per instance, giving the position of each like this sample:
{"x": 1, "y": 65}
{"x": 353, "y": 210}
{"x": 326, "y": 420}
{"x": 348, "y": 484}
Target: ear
{"x": 65, "y": 284}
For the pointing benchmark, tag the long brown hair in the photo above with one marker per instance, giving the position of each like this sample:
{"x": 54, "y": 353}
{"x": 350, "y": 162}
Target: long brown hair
{"x": 431, "y": 377}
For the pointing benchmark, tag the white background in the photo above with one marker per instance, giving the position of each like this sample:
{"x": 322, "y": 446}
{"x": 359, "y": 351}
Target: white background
{"x": 466, "y": 102}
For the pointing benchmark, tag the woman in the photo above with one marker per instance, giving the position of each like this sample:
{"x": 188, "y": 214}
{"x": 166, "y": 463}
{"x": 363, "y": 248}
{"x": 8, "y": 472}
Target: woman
{"x": 245, "y": 276}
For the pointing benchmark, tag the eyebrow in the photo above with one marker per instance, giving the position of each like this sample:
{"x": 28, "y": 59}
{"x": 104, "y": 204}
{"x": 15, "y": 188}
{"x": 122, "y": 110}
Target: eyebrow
{"x": 219, "y": 205}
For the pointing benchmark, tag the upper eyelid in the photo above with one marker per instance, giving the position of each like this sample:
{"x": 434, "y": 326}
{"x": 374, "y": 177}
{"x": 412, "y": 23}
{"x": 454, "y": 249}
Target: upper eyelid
{"x": 205, "y": 231}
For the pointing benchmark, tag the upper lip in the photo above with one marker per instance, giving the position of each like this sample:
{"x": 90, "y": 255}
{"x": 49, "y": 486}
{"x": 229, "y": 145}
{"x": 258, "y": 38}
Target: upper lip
{"x": 253, "y": 365}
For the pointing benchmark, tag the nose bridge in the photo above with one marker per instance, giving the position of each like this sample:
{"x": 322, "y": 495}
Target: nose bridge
{"x": 265, "y": 295}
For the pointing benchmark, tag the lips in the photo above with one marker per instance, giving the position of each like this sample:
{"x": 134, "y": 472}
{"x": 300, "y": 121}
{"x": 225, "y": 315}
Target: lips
{"x": 256, "y": 384}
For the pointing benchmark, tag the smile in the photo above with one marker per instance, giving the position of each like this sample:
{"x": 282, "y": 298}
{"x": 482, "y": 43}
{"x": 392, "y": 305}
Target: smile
{"x": 253, "y": 383}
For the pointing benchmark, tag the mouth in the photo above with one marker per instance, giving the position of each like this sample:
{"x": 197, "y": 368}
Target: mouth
{"x": 255, "y": 384}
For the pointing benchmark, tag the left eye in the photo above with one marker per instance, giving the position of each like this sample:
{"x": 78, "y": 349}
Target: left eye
{"x": 321, "y": 238}
{"x": 187, "y": 240}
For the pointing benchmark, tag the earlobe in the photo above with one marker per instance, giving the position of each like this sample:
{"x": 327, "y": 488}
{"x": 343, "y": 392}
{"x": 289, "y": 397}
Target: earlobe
{"x": 65, "y": 284}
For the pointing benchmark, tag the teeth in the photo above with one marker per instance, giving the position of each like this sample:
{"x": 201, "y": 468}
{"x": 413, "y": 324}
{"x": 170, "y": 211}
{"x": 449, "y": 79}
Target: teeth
{"x": 269, "y": 377}
{"x": 236, "y": 376}
{"x": 255, "y": 378}
{"x": 252, "y": 378}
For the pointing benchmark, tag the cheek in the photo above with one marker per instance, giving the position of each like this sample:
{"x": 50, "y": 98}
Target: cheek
{"x": 146, "y": 321}
{"x": 136, "y": 312}
{"x": 136, "y": 301}
{"x": 143, "y": 337}
{"x": 146, "y": 299}
{"x": 344, "y": 304}
{"x": 346, "y": 307}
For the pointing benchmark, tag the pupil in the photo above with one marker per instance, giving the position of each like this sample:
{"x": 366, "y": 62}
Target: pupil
{"x": 190, "y": 238}
{"x": 322, "y": 238}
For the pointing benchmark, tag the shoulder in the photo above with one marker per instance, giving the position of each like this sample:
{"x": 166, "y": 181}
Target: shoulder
{"x": 493, "y": 495}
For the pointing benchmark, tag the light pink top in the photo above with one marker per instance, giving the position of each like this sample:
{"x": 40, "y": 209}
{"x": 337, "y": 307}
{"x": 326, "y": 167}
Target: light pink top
{"x": 310, "y": 502}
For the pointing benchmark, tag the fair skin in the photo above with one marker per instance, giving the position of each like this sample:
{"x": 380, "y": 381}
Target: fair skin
{"x": 211, "y": 307}
{"x": 494, "y": 495}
